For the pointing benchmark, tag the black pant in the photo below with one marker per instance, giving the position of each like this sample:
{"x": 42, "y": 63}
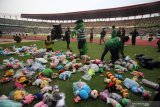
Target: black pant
{"x": 133, "y": 40}
{"x": 81, "y": 44}
{"x": 102, "y": 39}
{"x": 114, "y": 54}
{"x": 68, "y": 43}
{"x": 158, "y": 46}
{"x": 91, "y": 38}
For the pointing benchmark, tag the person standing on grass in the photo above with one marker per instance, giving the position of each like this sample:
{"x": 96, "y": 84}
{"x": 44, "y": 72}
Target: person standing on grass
{"x": 134, "y": 35}
{"x": 114, "y": 34}
{"x": 123, "y": 34}
{"x": 0, "y": 33}
{"x": 48, "y": 44}
{"x": 158, "y": 44}
{"x": 119, "y": 32}
{"x": 67, "y": 37}
{"x": 91, "y": 35}
{"x": 115, "y": 46}
{"x": 103, "y": 33}
{"x": 81, "y": 38}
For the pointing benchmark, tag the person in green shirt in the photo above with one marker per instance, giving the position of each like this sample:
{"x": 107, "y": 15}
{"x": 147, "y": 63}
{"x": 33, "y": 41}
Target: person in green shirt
{"x": 115, "y": 46}
{"x": 114, "y": 34}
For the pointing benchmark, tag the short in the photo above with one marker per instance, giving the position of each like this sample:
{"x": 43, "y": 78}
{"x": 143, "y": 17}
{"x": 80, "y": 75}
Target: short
{"x": 81, "y": 44}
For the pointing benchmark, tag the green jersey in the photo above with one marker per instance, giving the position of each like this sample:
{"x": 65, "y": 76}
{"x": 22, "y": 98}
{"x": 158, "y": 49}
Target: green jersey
{"x": 113, "y": 34}
{"x": 114, "y": 43}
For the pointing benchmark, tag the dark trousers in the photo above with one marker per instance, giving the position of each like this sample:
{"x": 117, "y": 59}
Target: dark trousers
{"x": 81, "y": 44}
{"x": 158, "y": 46}
{"x": 114, "y": 54}
{"x": 102, "y": 39}
{"x": 68, "y": 43}
{"x": 91, "y": 38}
{"x": 133, "y": 40}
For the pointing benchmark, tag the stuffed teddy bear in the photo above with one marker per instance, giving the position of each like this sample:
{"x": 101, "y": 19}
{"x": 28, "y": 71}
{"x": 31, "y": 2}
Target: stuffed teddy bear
{"x": 116, "y": 96}
{"x": 94, "y": 94}
{"x": 150, "y": 84}
{"x": 81, "y": 91}
{"x": 28, "y": 99}
{"x": 18, "y": 95}
{"x": 89, "y": 74}
{"x": 10, "y": 103}
{"x": 85, "y": 57}
{"x": 123, "y": 91}
{"x": 75, "y": 66}
{"x": 68, "y": 66}
{"x": 65, "y": 75}
{"x": 44, "y": 83}
{"x": 41, "y": 60}
{"x": 9, "y": 73}
{"x": 113, "y": 78}
{"x": 106, "y": 80}
{"x": 104, "y": 95}
{"x": 139, "y": 74}
{"x": 5, "y": 80}
{"x": 120, "y": 69}
{"x": 37, "y": 82}
{"x": 46, "y": 89}
{"x": 113, "y": 102}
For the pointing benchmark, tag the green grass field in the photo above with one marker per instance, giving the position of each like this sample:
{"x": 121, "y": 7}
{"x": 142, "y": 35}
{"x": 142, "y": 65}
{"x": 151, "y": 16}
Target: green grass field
{"x": 96, "y": 82}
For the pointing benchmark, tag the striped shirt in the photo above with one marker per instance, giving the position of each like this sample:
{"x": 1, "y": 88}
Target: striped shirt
{"x": 81, "y": 34}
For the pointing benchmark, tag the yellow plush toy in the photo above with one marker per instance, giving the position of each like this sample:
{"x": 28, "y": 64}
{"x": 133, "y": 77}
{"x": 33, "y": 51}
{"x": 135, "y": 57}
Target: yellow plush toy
{"x": 9, "y": 73}
{"x": 19, "y": 95}
{"x": 44, "y": 83}
{"x": 123, "y": 91}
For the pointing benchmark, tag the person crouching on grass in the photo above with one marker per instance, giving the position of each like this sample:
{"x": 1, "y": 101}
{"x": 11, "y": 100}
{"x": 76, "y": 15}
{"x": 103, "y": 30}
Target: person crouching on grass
{"x": 48, "y": 44}
{"x": 115, "y": 46}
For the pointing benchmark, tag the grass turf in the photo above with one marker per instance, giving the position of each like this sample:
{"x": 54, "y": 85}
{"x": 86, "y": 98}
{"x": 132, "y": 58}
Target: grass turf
{"x": 96, "y": 82}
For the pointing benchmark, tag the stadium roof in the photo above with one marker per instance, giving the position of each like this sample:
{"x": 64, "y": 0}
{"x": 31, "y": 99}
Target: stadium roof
{"x": 133, "y": 10}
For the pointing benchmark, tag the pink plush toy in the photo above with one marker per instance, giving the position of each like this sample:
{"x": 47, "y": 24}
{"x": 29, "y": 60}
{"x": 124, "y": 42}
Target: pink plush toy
{"x": 97, "y": 61}
{"x": 41, "y": 104}
{"x": 139, "y": 74}
{"x": 75, "y": 66}
{"x": 18, "y": 85}
{"x": 28, "y": 99}
{"x": 46, "y": 89}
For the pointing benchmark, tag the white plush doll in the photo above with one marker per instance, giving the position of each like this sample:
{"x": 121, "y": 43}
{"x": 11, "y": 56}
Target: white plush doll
{"x": 46, "y": 89}
{"x": 75, "y": 66}
{"x": 62, "y": 58}
{"x": 41, "y": 60}
{"x": 85, "y": 68}
{"x": 61, "y": 102}
{"x": 37, "y": 82}
{"x": 85, "y": 57}
{"x": 68, "y": 66}
{"x": 95, "y": 67}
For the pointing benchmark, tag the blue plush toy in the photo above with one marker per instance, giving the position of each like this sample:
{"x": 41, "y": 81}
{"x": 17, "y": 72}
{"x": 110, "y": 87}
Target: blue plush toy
{"x": 118, "y": 76}
{"x": 133, "y": 86}
{"x": 10, "y": 103}
{"x": 59, "y": 67}
{"x": 81, "y": 91}
{"x": 65, "y": 75}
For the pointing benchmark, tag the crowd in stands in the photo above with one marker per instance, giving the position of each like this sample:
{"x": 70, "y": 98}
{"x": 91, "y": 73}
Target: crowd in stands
{"x": 144, "y": 26}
